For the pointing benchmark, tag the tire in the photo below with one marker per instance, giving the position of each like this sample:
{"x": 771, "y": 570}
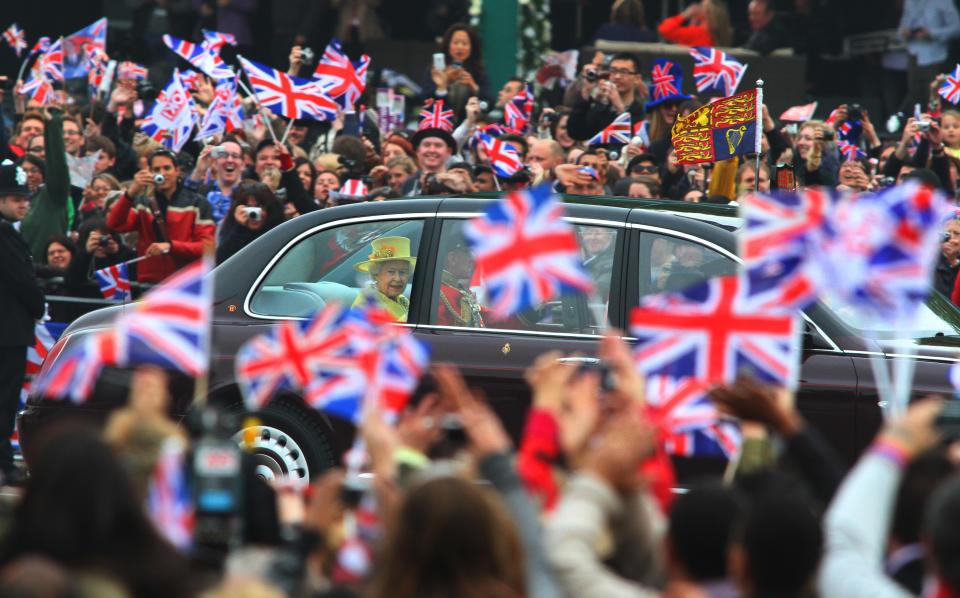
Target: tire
{"x": 290, "y": 441}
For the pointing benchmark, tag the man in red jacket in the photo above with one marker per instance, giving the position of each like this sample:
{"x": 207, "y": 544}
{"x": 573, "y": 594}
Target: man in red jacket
{"x": 174, "y": 224}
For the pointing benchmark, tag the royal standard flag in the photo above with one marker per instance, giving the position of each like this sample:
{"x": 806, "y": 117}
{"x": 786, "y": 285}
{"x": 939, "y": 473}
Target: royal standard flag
{"x": 720, "y": 130}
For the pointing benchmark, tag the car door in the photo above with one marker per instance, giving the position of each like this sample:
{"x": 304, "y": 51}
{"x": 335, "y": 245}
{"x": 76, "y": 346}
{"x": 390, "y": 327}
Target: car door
{"x": 494, "y": 355}
{"x": 669, "y": 259}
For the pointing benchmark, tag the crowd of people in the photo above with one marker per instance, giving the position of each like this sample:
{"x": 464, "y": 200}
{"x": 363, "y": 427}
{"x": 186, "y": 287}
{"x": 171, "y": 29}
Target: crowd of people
{"x": 585, "y": 504}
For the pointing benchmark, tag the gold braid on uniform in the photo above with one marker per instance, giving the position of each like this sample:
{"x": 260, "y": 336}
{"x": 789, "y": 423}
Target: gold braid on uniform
{"x": 465, "y": 303}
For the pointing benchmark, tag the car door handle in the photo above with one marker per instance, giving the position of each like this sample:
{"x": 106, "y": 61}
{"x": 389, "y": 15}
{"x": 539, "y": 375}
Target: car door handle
{"x": 578, "y": 360}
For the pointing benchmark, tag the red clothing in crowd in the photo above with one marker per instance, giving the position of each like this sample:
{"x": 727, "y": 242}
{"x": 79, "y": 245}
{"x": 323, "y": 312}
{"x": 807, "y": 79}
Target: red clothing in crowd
{"x": 540, "y": 449}
{"x": 675, "y": 31}
{"x": 190, "y": 226}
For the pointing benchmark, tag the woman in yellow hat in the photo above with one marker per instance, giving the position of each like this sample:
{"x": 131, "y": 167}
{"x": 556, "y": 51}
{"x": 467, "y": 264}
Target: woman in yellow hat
{"x": 390, "y": 266}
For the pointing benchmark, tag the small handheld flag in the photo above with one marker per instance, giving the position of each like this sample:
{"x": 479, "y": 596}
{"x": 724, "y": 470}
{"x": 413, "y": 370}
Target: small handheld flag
{"x": 114, "y": 282}
{"x": 950, "y": 90}
{"x": 504, "y": 159}
{"x": 527, "y": 251}
{"x": 714, "y": 70}
{"x": 16, "y": 38}
{"x": 616, "y": 132}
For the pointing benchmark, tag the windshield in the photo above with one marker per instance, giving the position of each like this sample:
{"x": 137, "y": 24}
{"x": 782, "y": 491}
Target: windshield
{"x": 937, "y": 317}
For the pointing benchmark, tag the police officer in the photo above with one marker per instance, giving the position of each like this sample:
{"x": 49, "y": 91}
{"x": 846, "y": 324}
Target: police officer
{"x": 21, "y": 303}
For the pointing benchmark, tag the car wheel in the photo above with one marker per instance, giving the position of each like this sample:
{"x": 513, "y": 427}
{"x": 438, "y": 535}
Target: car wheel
{"x": 289, "y": 442}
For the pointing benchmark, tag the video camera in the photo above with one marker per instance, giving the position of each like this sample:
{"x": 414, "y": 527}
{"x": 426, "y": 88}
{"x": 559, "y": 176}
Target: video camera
{"x": 217, "y": 483}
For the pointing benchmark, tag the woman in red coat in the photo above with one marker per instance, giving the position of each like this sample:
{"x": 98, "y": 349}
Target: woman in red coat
{"x": 705, "y": 23}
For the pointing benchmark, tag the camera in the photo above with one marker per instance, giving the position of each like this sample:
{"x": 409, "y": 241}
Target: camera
{"x": 254, "y": 213}
{"x": 827, "y": 135}
{"x": 456, "y": 64}
{"x": 923, "y": 125}
{"x": 608, "y": 380}
{"x": 218, "y": 152}
{"x": 103, "y": 240}
{"x": 306, "y": 56}
{"x": 216, "y": 482}
{"x": 483, "y": 106}
{"x": 887, "y": 181}
{"x": 854, "y": 112}
{"x": 591, "y": 76}
{"x": 158, "y": 179}
{"x": 550, "y": 118}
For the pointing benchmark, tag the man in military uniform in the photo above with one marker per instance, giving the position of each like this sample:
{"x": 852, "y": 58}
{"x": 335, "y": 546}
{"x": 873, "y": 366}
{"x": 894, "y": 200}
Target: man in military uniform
{"x": 458, "y": 306}
{"x": 21, "y": 303}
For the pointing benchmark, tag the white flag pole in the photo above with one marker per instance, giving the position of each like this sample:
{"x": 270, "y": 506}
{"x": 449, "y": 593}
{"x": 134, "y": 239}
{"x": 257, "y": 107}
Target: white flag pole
{"x": 255, "y": 99}
{"x": 759, "y": 135}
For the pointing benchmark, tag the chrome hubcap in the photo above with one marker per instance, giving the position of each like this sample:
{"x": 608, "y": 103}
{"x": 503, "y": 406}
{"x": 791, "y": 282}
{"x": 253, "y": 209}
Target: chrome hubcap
{"x": 276, "y": 455}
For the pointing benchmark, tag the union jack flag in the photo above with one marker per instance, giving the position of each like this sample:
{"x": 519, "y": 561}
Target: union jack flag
{"x": 38, "y": 89}
{"x": 435, "y": 117}
{"x": 225, "y": 112}
{"x": 169, "y": 501}
{"x": 42, "y": 45}
{"x": 850, "y": 131}
{"x": 170, "y": 328}
{"x": 200, "y": 56}
{"x": 353, "y": 188}
{"x": 950, "y": 91}
{"x": 16, "y": 38}
{"x": 389, "y": 364}
{"x": 799, "y": 113}
{"x": 850, "y": 151}
{"x": 114, "y": 282}
{"x": 715, "y": 70}
{"x": 783, "y": 234}
{"x": 503, "y": 157}
{"x": 518, "y": 110}
{"x": 132, "y": 70}
{"x": 52, "y": 61}
{"x": 289, "y": 356}
{"x": 43, "y": 343}
{"x": 173, "y": 115}
{"x": 616, "y": 132}
{"x": 526, "y": 250}
{"x": 493, "y": 130}
{"x": 712, "y": 331}
{"x": 190, "y": 79}
{"x": 216, "y": 40}
{"x": 664, "y": 81}
{"x": 881, "y": 260}
{"x": 343, "y": 80}
{"x": 288, "y": 96}
{"x": 688, "y": 420}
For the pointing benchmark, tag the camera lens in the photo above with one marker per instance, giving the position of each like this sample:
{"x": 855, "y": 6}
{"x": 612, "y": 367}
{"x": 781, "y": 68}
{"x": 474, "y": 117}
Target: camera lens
{"x": 158, "y": 179}
{"x": 590, "y": 76}
{"x": 483, "y": 106}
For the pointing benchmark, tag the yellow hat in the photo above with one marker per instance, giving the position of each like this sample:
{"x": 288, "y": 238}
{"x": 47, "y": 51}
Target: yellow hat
{"x": 388, "y": 249}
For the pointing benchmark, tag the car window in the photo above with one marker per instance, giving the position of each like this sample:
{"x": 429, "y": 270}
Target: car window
{"x": 672, "y": 263}
{"x": 339, "y": 264}
{"x": 460, "y": 297}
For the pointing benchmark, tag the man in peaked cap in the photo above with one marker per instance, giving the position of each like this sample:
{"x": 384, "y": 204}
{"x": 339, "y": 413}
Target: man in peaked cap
{"x": 21, "y": 303}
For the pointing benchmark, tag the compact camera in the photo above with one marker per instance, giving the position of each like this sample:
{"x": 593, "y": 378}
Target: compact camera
{"x": 923, "y": 125}
{"x": 158, "y": 179}
{"x": 218, "y": 152}
{"x": 306, "y": 56}
{"x": 854, "y": 112}
{"x": 103, "y": 240}
{"x": 254, "y": 213}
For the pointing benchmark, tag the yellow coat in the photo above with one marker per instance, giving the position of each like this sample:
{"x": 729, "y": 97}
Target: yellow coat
{"x": 397, "y": 308}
